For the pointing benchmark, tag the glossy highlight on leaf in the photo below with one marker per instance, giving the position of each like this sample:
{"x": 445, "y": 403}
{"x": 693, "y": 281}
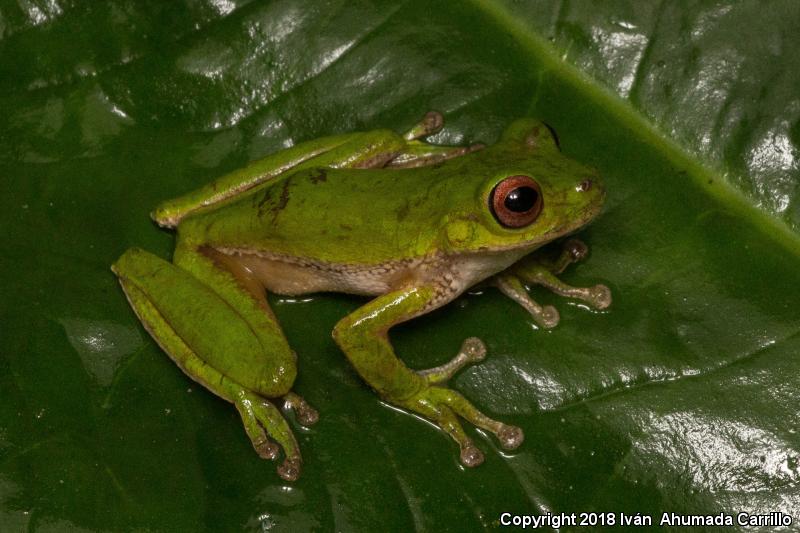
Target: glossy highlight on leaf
{"x": 681, "y": 397}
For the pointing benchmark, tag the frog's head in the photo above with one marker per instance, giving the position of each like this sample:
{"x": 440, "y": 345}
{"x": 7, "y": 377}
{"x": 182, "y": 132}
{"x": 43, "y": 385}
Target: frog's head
{"x": 523, "y": 193}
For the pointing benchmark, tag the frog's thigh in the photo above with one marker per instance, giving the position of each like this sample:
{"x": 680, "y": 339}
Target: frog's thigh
{"x": 216, "y": 332}
{"x": 269, "y": 366}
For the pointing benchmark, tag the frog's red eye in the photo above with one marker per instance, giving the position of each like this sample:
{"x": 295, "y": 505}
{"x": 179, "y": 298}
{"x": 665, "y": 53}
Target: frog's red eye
{"x": 516, "y": 201}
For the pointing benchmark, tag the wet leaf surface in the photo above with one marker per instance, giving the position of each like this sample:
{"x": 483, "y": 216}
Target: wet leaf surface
{"x": 682, "y": 397}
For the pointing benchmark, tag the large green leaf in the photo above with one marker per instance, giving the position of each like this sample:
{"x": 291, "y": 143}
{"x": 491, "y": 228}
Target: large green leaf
{"x": 683, "y": 397}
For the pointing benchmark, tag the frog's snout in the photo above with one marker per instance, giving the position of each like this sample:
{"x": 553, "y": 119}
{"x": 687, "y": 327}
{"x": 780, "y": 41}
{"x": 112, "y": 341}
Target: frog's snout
{"x": 591, "y": 189}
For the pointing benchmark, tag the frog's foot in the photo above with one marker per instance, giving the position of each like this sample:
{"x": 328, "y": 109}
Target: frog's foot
{"x": 574, "y": 250}
{"x": 542, "y": 271}
{"x": 546, "y": 316}
{"x": 261, "y": 418}
{"x": 598, "y": 296}
{"x": 443, "y": 406}
{"x": 305, "y": 414}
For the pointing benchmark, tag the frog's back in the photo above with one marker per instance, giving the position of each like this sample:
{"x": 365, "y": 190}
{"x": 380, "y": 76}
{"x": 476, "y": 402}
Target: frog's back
{"x": 341, "y": 216}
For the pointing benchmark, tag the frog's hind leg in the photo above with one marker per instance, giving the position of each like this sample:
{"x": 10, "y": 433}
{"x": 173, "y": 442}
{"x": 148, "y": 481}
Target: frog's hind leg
{"x": 219, "y": 336}
{"x": 417, "y": 153}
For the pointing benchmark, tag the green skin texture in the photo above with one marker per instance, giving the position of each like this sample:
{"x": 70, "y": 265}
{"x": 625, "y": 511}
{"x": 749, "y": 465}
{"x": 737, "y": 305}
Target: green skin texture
{"x": 373, "y": 213}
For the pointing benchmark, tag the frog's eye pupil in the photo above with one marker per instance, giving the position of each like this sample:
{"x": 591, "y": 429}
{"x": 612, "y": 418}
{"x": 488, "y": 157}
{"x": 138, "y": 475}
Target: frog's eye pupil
{"x": 521, "y": 199}
{"x": 516, "y": 201}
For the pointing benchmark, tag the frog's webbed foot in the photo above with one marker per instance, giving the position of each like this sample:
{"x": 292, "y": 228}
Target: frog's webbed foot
{"x": 444, "y": 406}
{"x": 541, "y": 271}
{"x": 417, "y": 153}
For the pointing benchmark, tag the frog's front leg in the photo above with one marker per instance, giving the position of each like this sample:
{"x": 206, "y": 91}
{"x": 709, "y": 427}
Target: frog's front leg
{"x": 541, "y": 270}
{"x": 363, "y": 336}
{"x": 215, "y": 323}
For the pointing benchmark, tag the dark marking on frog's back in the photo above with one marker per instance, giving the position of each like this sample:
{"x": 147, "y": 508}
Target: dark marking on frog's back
{"x": 283, "y": 201}
{"x": 318, "y": 175}
{"x": 264, "y": 199}
{"x": 267, "y": 202}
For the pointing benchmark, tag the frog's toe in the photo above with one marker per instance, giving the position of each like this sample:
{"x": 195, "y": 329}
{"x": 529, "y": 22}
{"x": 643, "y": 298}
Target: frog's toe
{"x": 290, "y": 468}
{"x": 576, "y": 249}
{"x": 431, "y": 123}
{"x": 600, "y": 296}
{"x": 510, "y": 437}
{"x": 471, "y": 456}
{"x": 266, "y": 449}
{"x": 472, "y": 351}
{"x": 306, "y": 415}
{"x": 548, "y": 317}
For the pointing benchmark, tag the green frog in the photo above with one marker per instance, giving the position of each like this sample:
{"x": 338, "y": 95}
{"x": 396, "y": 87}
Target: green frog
{"x": 409, "y": 224}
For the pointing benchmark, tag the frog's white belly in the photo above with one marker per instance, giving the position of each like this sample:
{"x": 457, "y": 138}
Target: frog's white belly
{"x": 449, "y": 275}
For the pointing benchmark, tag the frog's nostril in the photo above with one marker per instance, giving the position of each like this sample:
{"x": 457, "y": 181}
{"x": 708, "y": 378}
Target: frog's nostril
{"x": 584, "y": 186}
